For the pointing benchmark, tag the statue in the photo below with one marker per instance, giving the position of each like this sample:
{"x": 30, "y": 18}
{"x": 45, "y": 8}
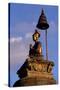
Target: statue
{"x": 35, "y": 50}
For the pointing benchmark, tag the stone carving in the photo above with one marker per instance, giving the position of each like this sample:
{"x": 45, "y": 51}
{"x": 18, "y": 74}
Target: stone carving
{"x": 40, "y": 66}
{"x": 49, "y": 68}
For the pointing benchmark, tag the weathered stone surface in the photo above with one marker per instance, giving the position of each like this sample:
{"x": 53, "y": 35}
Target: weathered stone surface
{"x": 39, "y": 74}
{"x": 30, "y": 81}
{"x": 35, "y": 72}
{"x": 35, "y": 65}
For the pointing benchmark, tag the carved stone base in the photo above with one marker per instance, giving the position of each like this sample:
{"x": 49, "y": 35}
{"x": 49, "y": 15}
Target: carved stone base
{"x": 39, "y": 74}
{"x": 35, "y": 72}
{"x": 31, "y": 81}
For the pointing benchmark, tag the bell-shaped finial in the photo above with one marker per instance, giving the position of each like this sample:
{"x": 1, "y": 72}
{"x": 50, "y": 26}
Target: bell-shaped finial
{"x": 42, "y": 22}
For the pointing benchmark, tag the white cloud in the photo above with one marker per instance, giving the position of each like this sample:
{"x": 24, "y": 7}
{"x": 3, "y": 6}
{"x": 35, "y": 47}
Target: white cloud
{"x": 19, "y": 49}
{"x": 29, "y": 35}
{"x": 15, "y": 39}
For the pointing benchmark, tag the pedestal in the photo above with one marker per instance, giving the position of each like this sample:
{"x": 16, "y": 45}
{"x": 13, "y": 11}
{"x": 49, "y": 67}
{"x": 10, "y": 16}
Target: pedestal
{"x": 35, "y": 72}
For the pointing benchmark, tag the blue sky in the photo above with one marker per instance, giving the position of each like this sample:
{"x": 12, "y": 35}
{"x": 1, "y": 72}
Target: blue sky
{"x": 23, "y": 20}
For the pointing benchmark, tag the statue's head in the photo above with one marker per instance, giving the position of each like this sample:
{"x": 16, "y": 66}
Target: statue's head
{"x": 36, "y": 35}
